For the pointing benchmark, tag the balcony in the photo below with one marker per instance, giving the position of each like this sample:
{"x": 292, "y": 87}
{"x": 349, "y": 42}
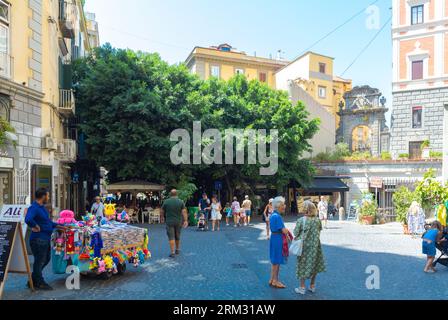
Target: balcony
{"x": 66, "y": 102}
{"x": 67, "y": 151}
{"x": 6, "y": 65}
{"x": 66, "y": 18}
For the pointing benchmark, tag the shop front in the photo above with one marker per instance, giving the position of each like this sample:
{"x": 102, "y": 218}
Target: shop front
{"x": 333, "y": 188}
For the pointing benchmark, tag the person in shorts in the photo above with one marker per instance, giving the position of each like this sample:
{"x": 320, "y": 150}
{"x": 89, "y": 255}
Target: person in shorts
{"x": 176, "y": 218}
{"x": 430, "y": 238}
{"x": 236, "y": 210}
{"x": 247, "y": 210}
{"x": 228, "y": 213}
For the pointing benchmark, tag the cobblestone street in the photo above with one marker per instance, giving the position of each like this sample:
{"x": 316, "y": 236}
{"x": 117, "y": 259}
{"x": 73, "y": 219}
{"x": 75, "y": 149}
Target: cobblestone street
{"x": 234, "y": 264}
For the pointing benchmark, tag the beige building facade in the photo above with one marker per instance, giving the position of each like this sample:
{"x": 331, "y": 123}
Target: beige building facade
{"x": 38, "y": 42}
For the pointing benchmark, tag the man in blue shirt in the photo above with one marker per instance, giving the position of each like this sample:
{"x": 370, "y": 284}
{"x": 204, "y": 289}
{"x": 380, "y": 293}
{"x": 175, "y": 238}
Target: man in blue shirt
{"x": 38, "y": 219}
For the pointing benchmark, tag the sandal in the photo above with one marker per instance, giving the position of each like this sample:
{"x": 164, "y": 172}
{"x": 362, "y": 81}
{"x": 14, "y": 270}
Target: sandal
{"x": 278, "y": 285}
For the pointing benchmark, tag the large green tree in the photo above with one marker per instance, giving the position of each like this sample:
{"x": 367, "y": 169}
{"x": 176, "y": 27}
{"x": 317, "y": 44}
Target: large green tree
{"x": 130, "y": 102}
{"x": 242, "y": 104}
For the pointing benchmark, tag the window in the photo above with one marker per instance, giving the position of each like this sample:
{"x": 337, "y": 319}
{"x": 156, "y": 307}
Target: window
{"x": 5, "y": 106}
{"x": 415, "y": 150}
{"x": 417, "y": 70}
{"x": 322, "y": 67}
{"x": 239, "y": 71}
{"x": 417, "y": 15}
{"x": 417, "y": 117}
{"x": 263, "y": 77}
{"x": 4, "y": 12}
{"x": 215, "y": 71}
{"x": 322, "y": 92}
{"x": 4, "y": 39}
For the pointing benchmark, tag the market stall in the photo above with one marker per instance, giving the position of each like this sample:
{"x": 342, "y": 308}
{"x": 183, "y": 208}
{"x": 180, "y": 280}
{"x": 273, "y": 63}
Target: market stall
{"x": 98, "y": 247}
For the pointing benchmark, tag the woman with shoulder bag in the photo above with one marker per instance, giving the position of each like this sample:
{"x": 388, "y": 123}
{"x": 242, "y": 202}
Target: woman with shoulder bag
{"x": 311, "y": 260}
{"x": 277, "y": 253}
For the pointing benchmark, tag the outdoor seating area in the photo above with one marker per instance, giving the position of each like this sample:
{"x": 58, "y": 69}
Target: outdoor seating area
{"x": 142, "y": 198}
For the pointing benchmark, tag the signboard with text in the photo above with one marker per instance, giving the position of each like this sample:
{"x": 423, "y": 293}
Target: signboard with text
{"x": 13, "y": 254}
{"x": 14, "y": 213}
{"x": 376, "y": 183}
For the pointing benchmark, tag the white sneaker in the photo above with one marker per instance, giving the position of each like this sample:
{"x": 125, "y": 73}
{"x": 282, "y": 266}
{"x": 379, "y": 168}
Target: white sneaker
{"x": 312, "y": 290}
{"x": 301, "y": 291}
{"x": 227, "y": 225}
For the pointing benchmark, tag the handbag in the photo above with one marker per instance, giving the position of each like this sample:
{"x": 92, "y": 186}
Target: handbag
{"x": 296, "y": 247}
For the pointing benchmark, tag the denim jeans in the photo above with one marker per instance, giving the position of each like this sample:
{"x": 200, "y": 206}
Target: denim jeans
{"x": 41, "y": 250}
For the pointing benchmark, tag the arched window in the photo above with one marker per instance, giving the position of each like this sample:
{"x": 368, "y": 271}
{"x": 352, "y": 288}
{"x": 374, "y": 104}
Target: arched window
{"x": 5, "y": 106}
{"x": 361, "y": 139}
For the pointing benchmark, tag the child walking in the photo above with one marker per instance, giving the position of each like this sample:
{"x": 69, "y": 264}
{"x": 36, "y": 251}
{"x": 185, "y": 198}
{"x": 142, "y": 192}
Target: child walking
{"x": 430, "y": 238}
{"x": 228, "y": 213}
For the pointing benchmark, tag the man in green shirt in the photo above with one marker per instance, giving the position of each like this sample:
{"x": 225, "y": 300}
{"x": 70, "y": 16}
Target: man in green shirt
{"x": 175, "y": 214}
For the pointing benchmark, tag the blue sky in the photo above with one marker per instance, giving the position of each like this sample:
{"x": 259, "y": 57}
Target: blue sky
{"x": 173, "y": 27}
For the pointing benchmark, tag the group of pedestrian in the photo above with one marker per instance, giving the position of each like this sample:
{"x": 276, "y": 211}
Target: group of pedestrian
{"x": 310, "y": 261}
{"x": 213, "y": 210}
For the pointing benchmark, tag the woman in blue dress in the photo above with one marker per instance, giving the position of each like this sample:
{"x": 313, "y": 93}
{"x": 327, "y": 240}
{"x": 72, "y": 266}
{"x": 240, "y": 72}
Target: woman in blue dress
{"x": 278, "y": 229}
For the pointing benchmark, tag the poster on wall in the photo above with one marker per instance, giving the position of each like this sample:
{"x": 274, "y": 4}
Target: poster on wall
{"x": 42, "y": 177}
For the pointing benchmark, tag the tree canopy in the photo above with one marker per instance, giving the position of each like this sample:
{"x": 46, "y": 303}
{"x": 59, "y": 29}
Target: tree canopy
{"x": 130, "y": 102}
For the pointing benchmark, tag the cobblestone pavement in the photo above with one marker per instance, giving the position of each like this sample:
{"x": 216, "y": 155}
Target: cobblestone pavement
{"x": 234, "y": 264}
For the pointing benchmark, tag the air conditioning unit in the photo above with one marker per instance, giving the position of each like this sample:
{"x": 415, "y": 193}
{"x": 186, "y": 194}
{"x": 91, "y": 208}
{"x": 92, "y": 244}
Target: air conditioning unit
{"x": 49, "y": 143}
{"x": 61, "y": 148}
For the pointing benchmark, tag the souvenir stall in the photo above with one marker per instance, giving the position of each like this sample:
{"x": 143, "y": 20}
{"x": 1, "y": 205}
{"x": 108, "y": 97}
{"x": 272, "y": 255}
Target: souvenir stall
{"x": 98, "y": 247}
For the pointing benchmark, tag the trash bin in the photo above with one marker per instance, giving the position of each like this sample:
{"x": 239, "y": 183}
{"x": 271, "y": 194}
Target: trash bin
{"x": 192, "y": 213}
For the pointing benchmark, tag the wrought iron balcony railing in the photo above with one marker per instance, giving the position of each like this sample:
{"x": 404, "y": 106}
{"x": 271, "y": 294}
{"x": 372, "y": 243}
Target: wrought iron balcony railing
{"x": 66, "y": 101}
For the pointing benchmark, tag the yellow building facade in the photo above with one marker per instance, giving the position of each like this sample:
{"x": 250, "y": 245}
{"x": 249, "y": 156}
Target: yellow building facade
{"x": 224, "y": 62}
{"x": 314, "y": 73}
{"x": 39, "y": 39}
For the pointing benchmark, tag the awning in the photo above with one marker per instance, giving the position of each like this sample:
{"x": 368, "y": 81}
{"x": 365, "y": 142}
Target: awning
{"x": 326, "y": 184}
{"x": 135, "y": 186}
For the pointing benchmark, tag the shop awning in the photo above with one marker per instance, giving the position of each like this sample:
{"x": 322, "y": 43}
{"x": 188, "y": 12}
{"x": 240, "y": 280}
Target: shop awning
{"x": 135, "y": 186}
{"x": 327, "y": 184}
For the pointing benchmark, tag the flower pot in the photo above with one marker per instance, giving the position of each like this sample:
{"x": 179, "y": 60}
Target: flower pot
{"x": 367, "y": 220}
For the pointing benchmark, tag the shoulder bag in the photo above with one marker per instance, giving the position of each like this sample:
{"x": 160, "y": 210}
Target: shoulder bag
{"x": 296, "y": 247}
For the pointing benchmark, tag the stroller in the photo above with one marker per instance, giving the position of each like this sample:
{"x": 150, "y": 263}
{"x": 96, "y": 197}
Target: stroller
{"x": 442, "y": 247}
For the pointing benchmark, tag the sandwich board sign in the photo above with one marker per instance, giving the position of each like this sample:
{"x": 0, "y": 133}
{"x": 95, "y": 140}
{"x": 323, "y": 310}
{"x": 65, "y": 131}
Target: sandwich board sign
{"x": 13, "y": 254}
{"x": 14, "y": 213}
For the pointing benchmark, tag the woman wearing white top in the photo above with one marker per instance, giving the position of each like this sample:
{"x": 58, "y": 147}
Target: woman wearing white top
{"x": 216, "y": 213}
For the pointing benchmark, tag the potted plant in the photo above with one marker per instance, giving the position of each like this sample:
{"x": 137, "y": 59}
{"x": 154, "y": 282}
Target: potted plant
{"x": 368, "y": 211}
{"x": 425, "y": 149}
{"x": 402, "y": 200}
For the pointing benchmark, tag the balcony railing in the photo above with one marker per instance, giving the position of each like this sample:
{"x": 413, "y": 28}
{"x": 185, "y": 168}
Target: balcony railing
{"x": 67, "y": 151}
{"x": 67, "y": 14}
{"x": 6, "y": 65}
{"x": 66, "y": 101}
